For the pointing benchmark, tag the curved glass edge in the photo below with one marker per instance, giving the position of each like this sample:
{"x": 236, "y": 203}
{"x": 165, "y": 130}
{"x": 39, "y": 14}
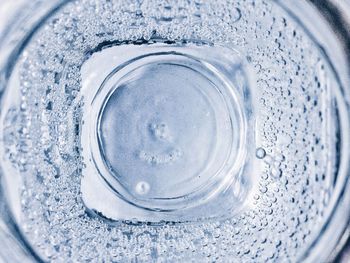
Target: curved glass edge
{"x": 19, "y": 252}
{"x": 18, "y": 18}
{"x": 16, "y": 27}
{"x": 334, "y": 18}
{"x": 12, "y": 246}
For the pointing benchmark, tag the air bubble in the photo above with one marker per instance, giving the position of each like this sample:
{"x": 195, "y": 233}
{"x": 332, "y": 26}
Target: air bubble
{"x": 260, "y": 153}
{"x": 293, "y": 106}
{"x": 276, "y": 172}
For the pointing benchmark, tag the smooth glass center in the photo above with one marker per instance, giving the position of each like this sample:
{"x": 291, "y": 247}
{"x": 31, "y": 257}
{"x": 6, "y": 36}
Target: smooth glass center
{"x": 163, "y": 131}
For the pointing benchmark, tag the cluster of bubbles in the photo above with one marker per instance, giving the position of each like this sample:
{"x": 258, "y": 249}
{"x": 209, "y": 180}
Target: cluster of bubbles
{"x": 294, "y": 127}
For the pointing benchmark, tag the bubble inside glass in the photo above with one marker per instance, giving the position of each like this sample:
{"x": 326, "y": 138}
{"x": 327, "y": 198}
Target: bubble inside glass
{"x": 150, "y": 131}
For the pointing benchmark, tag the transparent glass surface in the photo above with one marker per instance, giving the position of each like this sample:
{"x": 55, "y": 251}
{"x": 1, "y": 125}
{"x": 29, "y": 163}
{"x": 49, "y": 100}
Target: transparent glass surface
{"x": 156, "y": 131}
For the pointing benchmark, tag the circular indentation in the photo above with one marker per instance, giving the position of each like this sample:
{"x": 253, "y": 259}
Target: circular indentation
{"x": 170, "y": 121}
{"x": 163, "y": 124}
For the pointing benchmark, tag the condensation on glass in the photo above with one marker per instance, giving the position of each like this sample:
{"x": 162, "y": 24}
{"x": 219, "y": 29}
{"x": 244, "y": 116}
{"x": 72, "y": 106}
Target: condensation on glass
{"x": 155, "y": 131}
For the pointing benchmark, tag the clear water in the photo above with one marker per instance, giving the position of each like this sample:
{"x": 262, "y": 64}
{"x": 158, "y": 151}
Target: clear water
{"x": 167, "y": 130}
{"x": 170, "y": 131}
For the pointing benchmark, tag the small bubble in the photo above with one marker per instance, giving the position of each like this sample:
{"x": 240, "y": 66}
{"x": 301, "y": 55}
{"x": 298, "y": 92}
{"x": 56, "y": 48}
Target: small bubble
{"x": 142, "y": 188}
{"x": 268, "y": 159}
{"x": 276, "y": 163}
{"x": 237, "y": 16}
{"x": 260, "y": 153}
{"x": 280, "y": 157}
{"x": 263, "y": 189}
{"x": 276, "y": 172}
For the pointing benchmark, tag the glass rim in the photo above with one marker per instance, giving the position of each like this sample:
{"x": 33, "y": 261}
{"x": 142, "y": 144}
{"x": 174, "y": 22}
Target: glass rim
{"x": 334, "y": 13}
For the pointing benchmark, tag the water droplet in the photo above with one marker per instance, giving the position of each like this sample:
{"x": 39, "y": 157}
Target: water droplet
{"x": 260, "y": 153}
